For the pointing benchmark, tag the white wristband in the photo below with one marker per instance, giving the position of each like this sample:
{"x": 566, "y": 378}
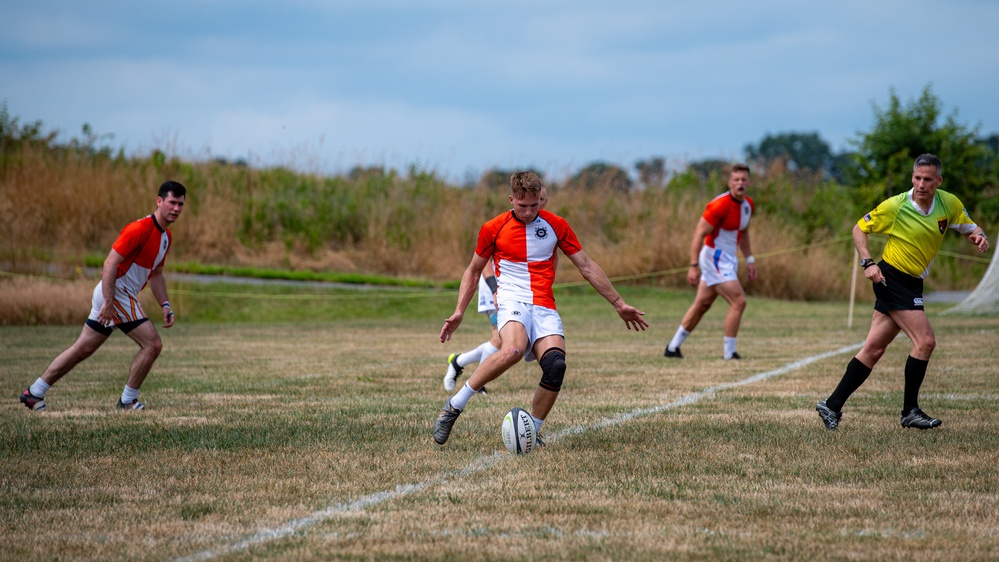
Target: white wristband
{"x": 165, "y": 304}
{"x": 750, "y": 259}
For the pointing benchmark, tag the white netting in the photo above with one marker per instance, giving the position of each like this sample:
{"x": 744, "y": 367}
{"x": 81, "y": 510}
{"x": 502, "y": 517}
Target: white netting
{"x": 985, "y": 298}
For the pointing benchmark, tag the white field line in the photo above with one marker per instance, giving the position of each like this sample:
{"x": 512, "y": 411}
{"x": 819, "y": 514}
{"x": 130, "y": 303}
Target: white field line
{"x": 488, "y": 461}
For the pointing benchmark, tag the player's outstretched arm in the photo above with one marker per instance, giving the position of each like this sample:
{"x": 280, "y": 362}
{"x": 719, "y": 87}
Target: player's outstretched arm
{"x": 595, "y": 275}
{"x": 469, "y": 281}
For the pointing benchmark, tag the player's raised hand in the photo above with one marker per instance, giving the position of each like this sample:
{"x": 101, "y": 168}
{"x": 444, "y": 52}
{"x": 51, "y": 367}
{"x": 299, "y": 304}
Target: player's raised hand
{"x": 450, "y": 325}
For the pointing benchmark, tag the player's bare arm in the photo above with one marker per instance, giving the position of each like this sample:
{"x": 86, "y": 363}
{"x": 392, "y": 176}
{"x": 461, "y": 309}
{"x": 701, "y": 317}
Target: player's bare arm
{"x": 157, "y": 284}
{"x": 747, "y": 251}
{"x": 108, "y": 277}
{"x": 469, "y": 282}
{"x": 861, "y": 242}
{"x": 694, "y": 271}
{"x": 596, "y": 277}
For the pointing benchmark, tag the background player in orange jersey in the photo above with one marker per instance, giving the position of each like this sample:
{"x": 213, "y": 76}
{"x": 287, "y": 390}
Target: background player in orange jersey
{"x": 521, "y": 243}
{"x": 136, "y": 259}
{"x": 723, "y": 229}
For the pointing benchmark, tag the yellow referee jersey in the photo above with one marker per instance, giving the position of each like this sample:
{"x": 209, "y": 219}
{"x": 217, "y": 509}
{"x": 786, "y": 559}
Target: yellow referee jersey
{"x": 914, "y": 237}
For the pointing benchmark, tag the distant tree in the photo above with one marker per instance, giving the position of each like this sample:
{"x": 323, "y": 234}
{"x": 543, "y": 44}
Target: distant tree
{"x": 651, "y": 172}
{"x": 992, "y": 141}
{"x": 800, "y": 151}
{"x": 705, "y": 169}
{"x": 601, "y": 174}
{"x": 13, "y": 133}
{"x": 358, "y": 173}
{"x": 882, "y": 164}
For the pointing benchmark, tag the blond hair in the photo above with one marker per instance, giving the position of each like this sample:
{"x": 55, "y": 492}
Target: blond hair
{"x": 524, "y": 183}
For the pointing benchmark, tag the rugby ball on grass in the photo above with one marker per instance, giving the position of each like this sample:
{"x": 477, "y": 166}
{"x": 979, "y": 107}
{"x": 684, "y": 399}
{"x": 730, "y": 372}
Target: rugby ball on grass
{"x": 519, "y": 433}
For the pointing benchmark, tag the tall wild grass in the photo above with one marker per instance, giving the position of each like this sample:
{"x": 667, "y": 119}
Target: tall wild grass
{"x": 60, "y": 205}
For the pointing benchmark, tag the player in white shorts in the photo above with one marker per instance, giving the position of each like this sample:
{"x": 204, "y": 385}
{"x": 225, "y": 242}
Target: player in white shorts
{"x": 456, "y": 362}
{"x": 539, "y": 322}
{"x": 521, "y": 244}
{"x": 714, "y": 268}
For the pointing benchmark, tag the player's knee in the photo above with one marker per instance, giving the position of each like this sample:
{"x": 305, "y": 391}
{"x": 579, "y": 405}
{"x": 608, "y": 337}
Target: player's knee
{"x": 552, "y": 369}
{"x": 511, "y": 355}
{"x": 926, "y": 345}
{"x": 875, "y": 352}
{"x": 154, "y": 347}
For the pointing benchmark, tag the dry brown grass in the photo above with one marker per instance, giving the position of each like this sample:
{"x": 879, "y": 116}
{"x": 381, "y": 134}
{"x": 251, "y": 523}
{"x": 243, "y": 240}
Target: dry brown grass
{"x": 30, "y": 301}
{"x": 221, "y": 466}
{"x": 61, "y": 207}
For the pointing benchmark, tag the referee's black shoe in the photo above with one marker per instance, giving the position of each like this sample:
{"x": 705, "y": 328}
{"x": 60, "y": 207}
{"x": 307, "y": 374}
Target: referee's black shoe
{"x": 918, "y": 419}
{"x": 829, "y": 417}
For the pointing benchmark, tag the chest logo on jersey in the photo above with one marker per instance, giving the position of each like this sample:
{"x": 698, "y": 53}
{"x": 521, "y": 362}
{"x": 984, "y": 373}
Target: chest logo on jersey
{"x": 541, "y": 232}
{"x": 942, "y": 225}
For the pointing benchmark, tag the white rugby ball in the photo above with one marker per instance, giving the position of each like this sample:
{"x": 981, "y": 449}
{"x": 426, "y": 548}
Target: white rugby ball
{"x": 519, "y": 433}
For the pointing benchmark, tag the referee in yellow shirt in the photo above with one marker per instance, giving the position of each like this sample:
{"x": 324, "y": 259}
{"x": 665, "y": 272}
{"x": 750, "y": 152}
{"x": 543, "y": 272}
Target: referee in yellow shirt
{"x": 915, "y": 222}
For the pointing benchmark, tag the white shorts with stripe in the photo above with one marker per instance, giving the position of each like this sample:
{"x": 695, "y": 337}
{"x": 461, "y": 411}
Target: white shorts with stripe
{"x": 538, "y": 321}
{"x": 718, "y": 266}
{"x": 126, "y": 306}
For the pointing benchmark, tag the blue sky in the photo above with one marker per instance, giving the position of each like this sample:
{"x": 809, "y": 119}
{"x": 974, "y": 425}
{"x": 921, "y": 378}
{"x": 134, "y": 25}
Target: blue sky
{"x": 460, "y": 87}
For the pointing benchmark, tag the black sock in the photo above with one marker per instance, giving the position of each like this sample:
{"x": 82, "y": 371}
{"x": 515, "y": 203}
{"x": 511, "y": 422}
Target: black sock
{"x": 915, "y": 372}
{"x": 855, "y": 375}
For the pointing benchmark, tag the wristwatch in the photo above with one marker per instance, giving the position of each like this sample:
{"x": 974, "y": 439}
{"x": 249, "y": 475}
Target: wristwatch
{"x": 866, "y": 262}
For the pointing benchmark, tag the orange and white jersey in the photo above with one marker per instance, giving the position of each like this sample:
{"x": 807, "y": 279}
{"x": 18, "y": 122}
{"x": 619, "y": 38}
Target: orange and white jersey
{"x": 144, "y": 244}
{"x": 729, "y": 219}
{"x": 524, "y": 255}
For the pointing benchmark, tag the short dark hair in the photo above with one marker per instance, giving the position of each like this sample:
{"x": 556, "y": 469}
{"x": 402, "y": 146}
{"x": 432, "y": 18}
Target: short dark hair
{"x": 738, "y": 168}
{"x": 928, "y": 160}
{"x": 174, "y": 187}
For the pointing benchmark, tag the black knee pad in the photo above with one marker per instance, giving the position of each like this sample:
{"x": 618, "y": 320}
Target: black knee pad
{"x": 552, "y": 369}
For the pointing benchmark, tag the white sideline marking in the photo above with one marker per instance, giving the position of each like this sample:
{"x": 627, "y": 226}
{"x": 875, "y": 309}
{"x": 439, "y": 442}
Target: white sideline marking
{"x": 488, "y": 461}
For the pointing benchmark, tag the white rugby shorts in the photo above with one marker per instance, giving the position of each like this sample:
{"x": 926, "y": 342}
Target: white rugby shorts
{"x": 718, "y": 266}
{"x": 538, "y": 321}
{"x": 126, "y": 306}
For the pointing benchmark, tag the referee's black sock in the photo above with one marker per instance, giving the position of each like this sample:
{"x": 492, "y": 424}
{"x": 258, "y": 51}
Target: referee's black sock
{"x": 855, "y": 375}
{"x": 915, "y": 372}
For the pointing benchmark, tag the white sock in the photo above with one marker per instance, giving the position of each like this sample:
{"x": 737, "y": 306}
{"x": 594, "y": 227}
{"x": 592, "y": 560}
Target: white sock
{"x": 39, "y": 388}
{"x": 678, "y": 338}
{"x": 729, "y": 347}
{"x": 129, "y": 394}
{"x": 537, "y": 424}
{"x": 487, "y": 350}
{"x": 461, "y": 398}
{"x": 473, "y": 356}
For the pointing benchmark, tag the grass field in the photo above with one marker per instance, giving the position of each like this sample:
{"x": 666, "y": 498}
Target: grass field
{"x": 270, "y": 438}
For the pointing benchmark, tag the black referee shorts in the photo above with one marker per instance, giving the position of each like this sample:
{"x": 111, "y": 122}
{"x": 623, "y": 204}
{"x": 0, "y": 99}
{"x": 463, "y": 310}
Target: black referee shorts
{"x": 901, "y": 291}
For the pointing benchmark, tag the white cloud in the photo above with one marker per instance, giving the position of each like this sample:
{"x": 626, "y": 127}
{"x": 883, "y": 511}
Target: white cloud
{"x": 461, "y": 86}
